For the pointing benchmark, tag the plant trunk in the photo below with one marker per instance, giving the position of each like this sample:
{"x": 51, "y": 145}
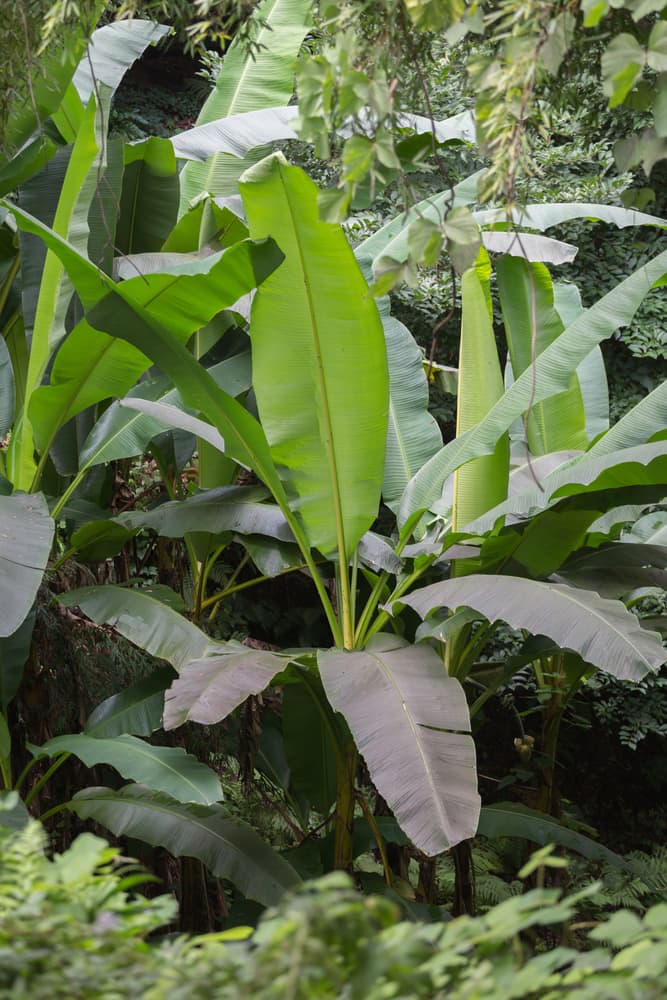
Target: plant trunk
{"x": 346, "y": 770}
{"x": 464, "y": 879}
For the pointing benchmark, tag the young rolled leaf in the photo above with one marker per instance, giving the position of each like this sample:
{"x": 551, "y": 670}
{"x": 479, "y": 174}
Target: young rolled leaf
{"x": 25, "y": 546}
{"x": 164, "y": 769}
{"x": 317, "y": 339}
{"x": 604, "y": 633}
{"x": 527, "y": 300}
{"x": 228, "y": 847}
{"x": 482, "y": 483}
{"x": 412, "y": 733}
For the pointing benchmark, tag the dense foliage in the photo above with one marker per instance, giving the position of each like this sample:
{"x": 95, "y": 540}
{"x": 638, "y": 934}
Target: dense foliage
{"x": 72, "y": 928}
{"x": 208, "y": 392}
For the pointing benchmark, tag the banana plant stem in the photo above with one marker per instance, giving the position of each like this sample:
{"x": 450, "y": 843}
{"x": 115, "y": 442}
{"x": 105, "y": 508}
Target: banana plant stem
{"x": 37, "y": 787}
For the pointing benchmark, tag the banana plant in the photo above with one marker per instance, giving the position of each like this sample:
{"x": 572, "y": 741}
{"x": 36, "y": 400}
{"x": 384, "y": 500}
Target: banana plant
{"x": 323, "y": 395}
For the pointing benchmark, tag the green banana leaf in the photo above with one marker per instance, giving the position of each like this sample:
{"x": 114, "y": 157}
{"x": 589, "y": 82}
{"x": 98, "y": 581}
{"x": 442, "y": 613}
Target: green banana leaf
{"x": 413, "y": 734}
{"x": 644, "y": 465}
{"x": 163, "y": 769}
{"x": 527, "y": 301}
{"x": 542, "y": 217}
{"x": 551, "y": 375}
{"x": 646, "y": 418}
{"x": 148, "y": 203}
{"x": 228, "y": 847}
{"x": 123, "y": 433}
{"x": 214, "y": 677}
{"x": 25, "y": 546}
{"x": 136, "y": 710}
{"x": 511, "y": 819}
{"x": 91, "y": 365}
{"x": 319, "y": 362}
{"x": 113, "y": 48}
{"x": 236, "y": 135}
{"x": 604, "y": 633}
{"x": 413, "y": 435}
{"x": 249, "y": 81}
{"x": 651, "y": 529}
{"x": 482, "y": 483}
{"x": 49, "y": 284}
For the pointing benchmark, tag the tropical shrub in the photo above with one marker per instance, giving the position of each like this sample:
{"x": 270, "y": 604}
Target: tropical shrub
{"x": 75, "y": 927}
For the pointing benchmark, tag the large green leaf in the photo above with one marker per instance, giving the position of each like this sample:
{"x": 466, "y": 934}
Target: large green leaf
{"x": 7, "y": 396}
{"x": 319, "y": 361}
{"x": 550, "y": 375}
{"x": 149, "y": 196}
{"x": 604, "y": 633}
{"x": 309, "y": 743}
{"x": 164, "y": 769}
{"x": 26, "y": 534}
{"x": 646, "y": 418}
{"x": 249, "y": 81}
{"x": 244, "y": 437}
{"x": 136, "y": 710}
{"x": 214, "y": 677}
{"x": 228, "y": 847}
{"x": 410, "y": 722}
{"x": 531, "y": 325}
{"x": 511, "y": 819}
{"x": 617, "y": 569}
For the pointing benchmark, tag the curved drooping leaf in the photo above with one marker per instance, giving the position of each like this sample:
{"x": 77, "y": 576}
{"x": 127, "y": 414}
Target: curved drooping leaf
{"x": 550, "y": 375}
{"x": 413, "y": 734}
{"x": 226, "y": 508}
{"x": 122, "y": 433}
{"x": 512, "y": 819}
{"x": 164, "y": 769}
{"x": 176, "y": 417}
{"x": 617, "y": 569}
{"x": 244, "y": 437}
{"x": 26, "y": 534}
{"x": 610, "y": 524}
{"x": 208, "y": 689}
{"x": 527, "y": 246}
{"x": 542, "y": 217}
{"x": 604, "y": 633}
{"x": 249, "y": 81}
{"x": 237, "y": 134}
{"x": 214, "y": 677}
{"x": 92, "y": 365}
{"x": 137, "y": 710}
{"x": 651, "y": 529}
{"x": 228, "y": 847}
{"x": 317, "y": 338}
{"x": 638, "y": 425}
{"x": 111, "y": 51}
{"x": 644, "y": 465}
